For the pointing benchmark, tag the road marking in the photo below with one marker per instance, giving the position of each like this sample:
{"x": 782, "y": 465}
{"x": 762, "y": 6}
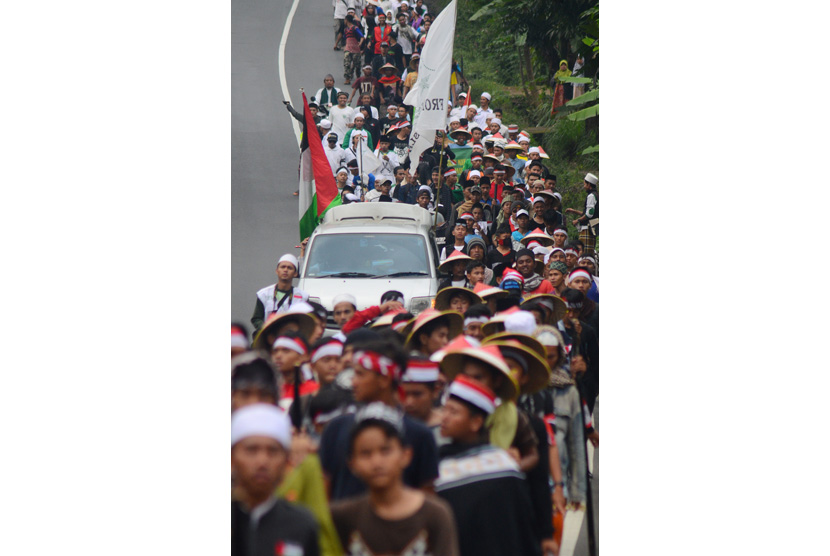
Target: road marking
{"x": 283, "y": 82}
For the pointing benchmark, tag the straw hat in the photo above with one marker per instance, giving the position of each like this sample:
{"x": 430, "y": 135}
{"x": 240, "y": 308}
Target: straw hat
{"x": 304, "y": 320}
{"x": 442, "y": 300}
{"x": 527, "y": 341}
{"x": 539, "y": 235}
{"x": 460, "y": 130}
{"x": 559, "y": 307}
{"x": 454, "y": 256}
{"x": 461, "y": 341}
{"x": 454, "y": 319}
{"x": 386, "y": 318}
{"x": 537, "y": 367}
{"x": 486, "y": 292}
{"x": 509, "y": 170}
{"x": 491, "y": 356}
{"x": 544, "y": 193}
{"x": 513, "y": 146}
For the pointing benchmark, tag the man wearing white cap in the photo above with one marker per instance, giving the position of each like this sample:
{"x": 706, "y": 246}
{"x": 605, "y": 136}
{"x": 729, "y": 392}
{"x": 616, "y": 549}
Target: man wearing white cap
{"x": 277, "y": 298}
{"x": 262, "y": 524}
{"x": 343, "y": 308}
{"x": 357, "y": 126}
{"x": 484, "y": 111}
{"x": 588, "y": 220}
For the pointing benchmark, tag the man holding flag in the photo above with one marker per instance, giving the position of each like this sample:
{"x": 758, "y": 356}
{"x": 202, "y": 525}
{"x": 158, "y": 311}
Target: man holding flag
{"x": 318, "y": 190}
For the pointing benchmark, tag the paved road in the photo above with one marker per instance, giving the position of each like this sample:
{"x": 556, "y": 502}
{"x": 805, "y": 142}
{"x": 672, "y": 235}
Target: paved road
{"x": 264, "y": 219}
{"x": 264, "y": 148}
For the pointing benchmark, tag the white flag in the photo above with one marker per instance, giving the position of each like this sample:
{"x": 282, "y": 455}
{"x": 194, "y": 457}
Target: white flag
{"x": 431, "y": 90}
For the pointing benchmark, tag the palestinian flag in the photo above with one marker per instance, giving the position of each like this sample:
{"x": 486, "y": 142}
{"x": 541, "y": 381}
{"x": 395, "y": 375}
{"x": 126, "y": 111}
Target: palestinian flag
{"x": 318, "y": 190}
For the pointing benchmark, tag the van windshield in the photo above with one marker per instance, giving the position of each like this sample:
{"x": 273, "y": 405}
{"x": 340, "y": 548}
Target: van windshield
{"x": 345, "y": 255}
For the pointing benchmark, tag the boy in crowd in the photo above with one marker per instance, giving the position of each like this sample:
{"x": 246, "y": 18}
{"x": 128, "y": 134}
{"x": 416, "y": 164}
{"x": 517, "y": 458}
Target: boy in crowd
{"x": 474, "y": 318}
{"x": 473, "y": 475}
{"x": 392, "y": 518}
{"x": 261, "y": 524}
{"x": 289, "y": 352}
{"x": 253, "y": 380}
{"x": 421, "y": 393}
{"x": 378, "y": 365}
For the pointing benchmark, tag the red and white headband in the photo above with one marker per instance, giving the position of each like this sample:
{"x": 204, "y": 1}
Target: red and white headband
{"x": 420, "y": 371}
{"x": 472, "y": 320}
{"x": 473, "y": 392}
{"x": 289, "y": 343}
{"x": 238, "y": 338}
{"x": 579, "y": 273}
{"x": 326, "y": 350}
{"x": 570, "y": 252}
{"x": 378, "y": 363}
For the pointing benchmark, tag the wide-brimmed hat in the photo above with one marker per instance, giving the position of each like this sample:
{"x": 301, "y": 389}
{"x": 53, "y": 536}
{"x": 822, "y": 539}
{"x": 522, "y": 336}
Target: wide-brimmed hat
{"x": 539, "y": 235}
{"x": 486, "y": 292}
{"x": 459, "y": 131}
{"x": 544, "y": 193}
{"x": 555, "y": 304}
{"x": 513, "y": 146}
{"x": 454, "y": 319}
{"x": 386, "y": 318}
{"x": 491, "y": 356}
{"x": 304, "y": 320}
{"x": 454, "y": 256}
{"x": 537, "y": 368}
{"x": 442, "y": 299}
{"x": 509, "y": 170}
{"x": 389, "y": 66}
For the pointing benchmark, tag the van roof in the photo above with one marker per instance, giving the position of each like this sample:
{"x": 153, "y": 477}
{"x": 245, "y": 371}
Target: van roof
{"x": 368, "y": 214}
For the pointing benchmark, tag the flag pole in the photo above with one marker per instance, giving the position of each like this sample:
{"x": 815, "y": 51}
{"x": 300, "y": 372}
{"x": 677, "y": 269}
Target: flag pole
{"x": 440, "y": 176}
{"x": 360, "y": 146}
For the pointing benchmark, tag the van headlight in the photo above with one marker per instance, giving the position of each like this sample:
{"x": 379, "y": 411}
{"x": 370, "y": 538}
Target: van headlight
{"x": 419, "y": 304}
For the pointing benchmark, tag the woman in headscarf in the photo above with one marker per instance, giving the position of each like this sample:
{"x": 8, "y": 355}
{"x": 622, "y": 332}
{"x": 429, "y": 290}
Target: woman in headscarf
{"x": 559, "y": 87}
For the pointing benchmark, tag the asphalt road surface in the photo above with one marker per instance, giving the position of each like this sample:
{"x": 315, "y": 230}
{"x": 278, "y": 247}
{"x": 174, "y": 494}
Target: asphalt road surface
{"x": 264, "y": 147}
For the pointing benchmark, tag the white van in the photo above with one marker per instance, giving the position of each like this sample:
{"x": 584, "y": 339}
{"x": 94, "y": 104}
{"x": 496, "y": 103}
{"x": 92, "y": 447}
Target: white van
{"x": 366, "y": 249}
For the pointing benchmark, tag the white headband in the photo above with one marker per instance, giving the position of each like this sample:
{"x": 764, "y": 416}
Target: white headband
{"x": 326, "y": 350}
{"x": 261, "y": 420}
{"x": 238, "y": 340}
{"x": 289, "y": 343}
{"x": 471, "y": 320}
{"x": 571, "y": 251}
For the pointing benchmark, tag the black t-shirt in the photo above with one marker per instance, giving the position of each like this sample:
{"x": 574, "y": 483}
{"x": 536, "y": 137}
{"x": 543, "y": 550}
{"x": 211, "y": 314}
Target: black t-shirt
{"x": 495, "y": 258}
{"x": 282, "y": 528}
{"x": 334, "y": 447}
{"x": 400, "y": 146}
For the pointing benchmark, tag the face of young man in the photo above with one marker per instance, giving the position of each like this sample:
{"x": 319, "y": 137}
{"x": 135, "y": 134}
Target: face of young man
{"x": 538, "y": 209}
{"x": 400, "y": 176}
{"x": 391, "y": 111}
{"x": 341, "y": 100}
{"x": 367, "y": 385}
{"x": 458, "y": 269}
{"x": 423, "y": 201}
{"x": 258, "y": 464}
{"x": 377, "y": 460}
{"x": 558, "y": 256}
{"x": 471, "y": 114}
{"x": 555, "y": 278}
{"x": 525, "y": 265}
{"x": 484, "y": 102}
{"x": 481, "y": 372}
{"x": 358, "y": 122}
{"x": 494, "y": 128}
{"x": 478, "y": 214}
{"x": 559, "y": 239}
{"x": 401, "y": 112}
{"x": 477, "y": 253}
{"x": 522, "y": 221}
{"x": 327, "y": 368}
{"x": 418, "y": 398}
{"x": 461, "y": 303}
{"x": 457, "y": 421}
{"x": 439, "y": 338}
{"x": 474, "y": 331}
{"x": 286, "y": 271}
{"x": 251, "y": 395}
{"x": 385, "y": 188}
{"x": 459, "y": 231}
{"x": 580, "y": 283}
{"x": 342, "y": 312}
{"x": 285, "y": 360}
{"x": 570, "y": 260}
{"x": 475, "y": 276}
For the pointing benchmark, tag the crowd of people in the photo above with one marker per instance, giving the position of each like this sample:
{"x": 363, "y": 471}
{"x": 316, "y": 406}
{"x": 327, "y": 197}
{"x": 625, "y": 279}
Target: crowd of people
{"x": 460, "y": 430}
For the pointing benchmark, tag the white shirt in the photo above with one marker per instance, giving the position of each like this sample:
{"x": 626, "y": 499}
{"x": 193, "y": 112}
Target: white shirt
{"x": 339, "y": 117}
{"x": 481, "y": 117}
{"x": 336, "y": 156}
{"x": 387, "y": 167}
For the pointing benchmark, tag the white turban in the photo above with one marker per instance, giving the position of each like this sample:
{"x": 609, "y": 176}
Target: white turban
{"x": 495, "y": 121}
{"x": 485, "y": 95}
{"x": 347, "y": 297}
{"x": 522, "y": 322}
{"x": 261, "y": 420}
{"x": 325, "y": 124}
{"x": 358, "y": 114}
{"x": 291, "y": 259}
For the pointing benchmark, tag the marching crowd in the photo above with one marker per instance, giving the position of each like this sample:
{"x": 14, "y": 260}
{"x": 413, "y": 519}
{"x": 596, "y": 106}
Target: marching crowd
{"x": 461, "y": 430}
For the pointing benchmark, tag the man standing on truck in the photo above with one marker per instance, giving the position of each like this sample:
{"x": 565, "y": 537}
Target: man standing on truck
{"x": 277, "y": 298}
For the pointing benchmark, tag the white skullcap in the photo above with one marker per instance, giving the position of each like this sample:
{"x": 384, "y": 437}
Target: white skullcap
{"x": 261, "y": 420}
{"x": 521, "y": 212}
{"x": 500, "y": 143}
{"x": 592, "y": 179}
{"x": 455, "y": 119}
{"x": 523, "y": 139}
{"x": 474, "y": 173}
{"x": 486, "y": 95}
{"x": 291, "y": 259}
{"x": 521, "y": 322}
{"x": 495, "y": 121}
{"x": 539, "y": 250}
{"x": 358, "y": 114}
{"x": 347, "y": 297}
{"x": 359, "y": 133}
{"x": 532, "y": 150}
{"x": 325, "y": 124}
{"x": 473, "y": 106}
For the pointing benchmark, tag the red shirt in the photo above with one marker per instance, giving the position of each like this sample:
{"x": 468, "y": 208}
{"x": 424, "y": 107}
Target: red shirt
{"x": 544, "y": 287}
{"x": 381, "y": 35}
{"x": 307, "y": 387}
